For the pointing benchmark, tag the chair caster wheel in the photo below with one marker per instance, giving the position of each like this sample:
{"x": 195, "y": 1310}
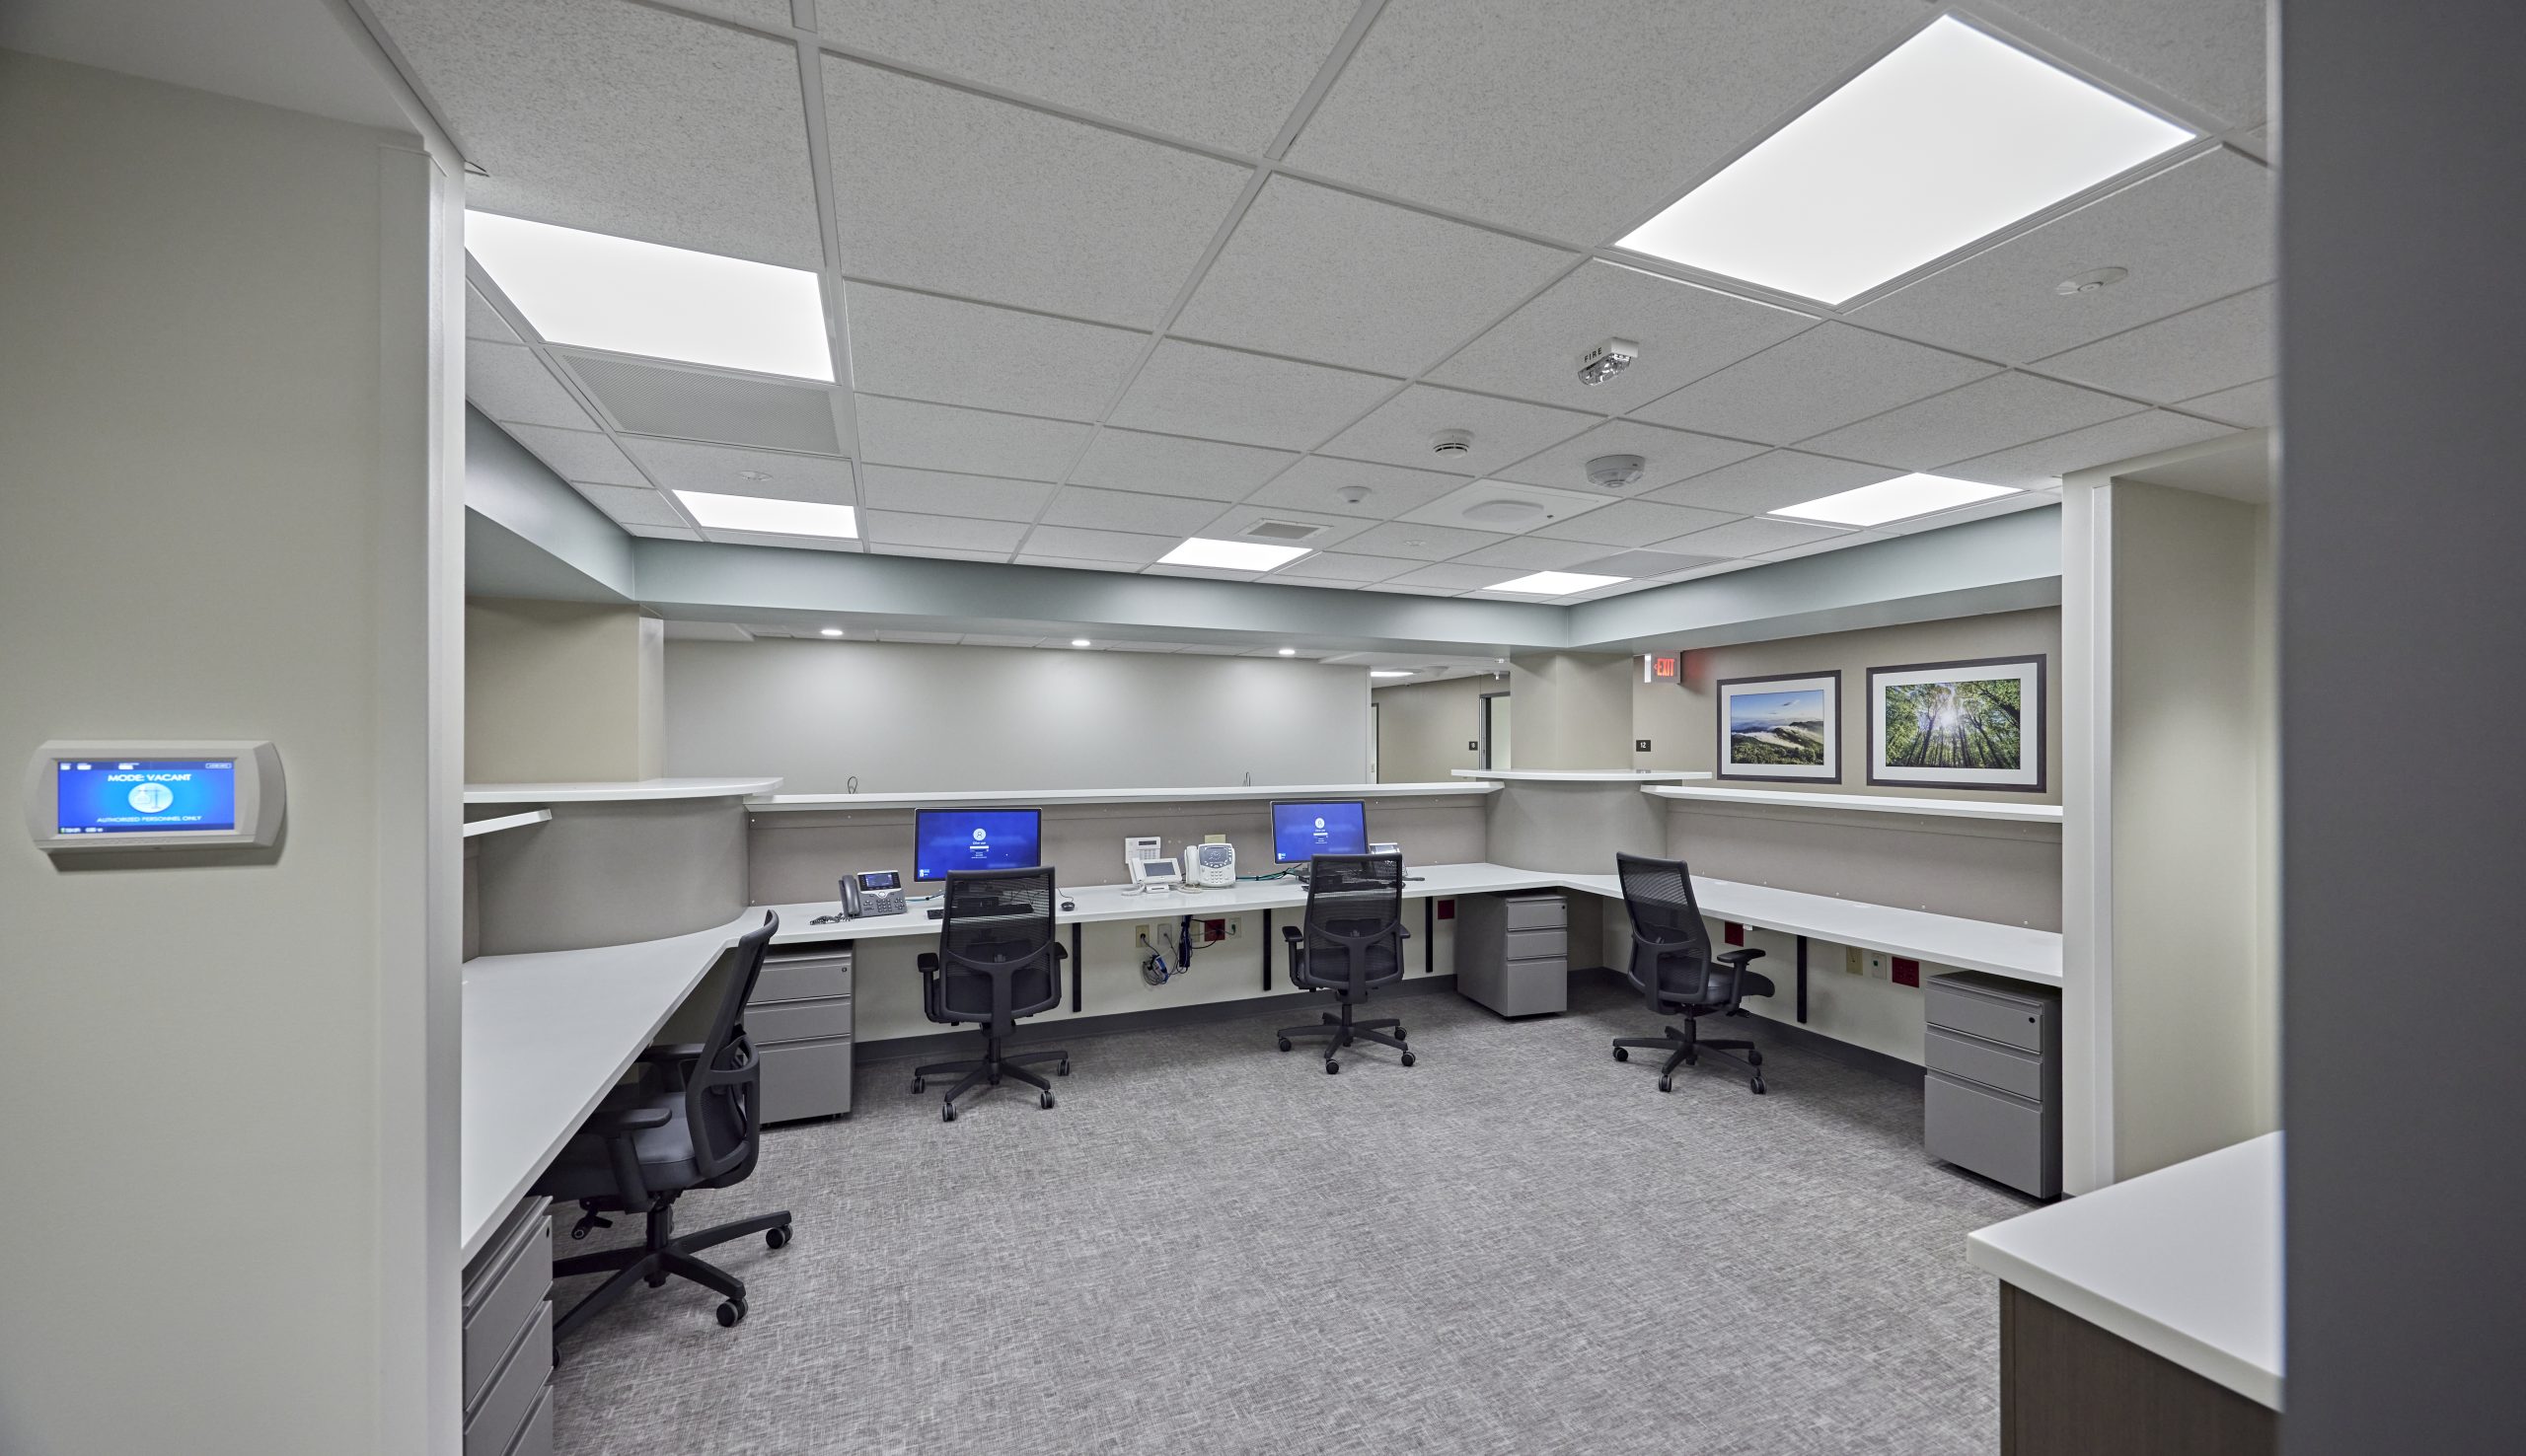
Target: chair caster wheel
{"x": 1665, "y": 1084}
{"x": 731, "y": 1312}
{"x": 1407, "y": 1058}
{"x": 1333, "y": 1068}
{"x": 947, "y": 1111}
{"x": 1399, "y": 1035}
{"x": 1622, "y": 1053}
{"x": 918, "y": 1086}
{"x": 1759, "y": 1086}
{"x": 1061, "y": 1071}
{"x": 776, "y": 1238}
{"x": 1284, "y": 1044}
{"x": 1044, "y": 1100}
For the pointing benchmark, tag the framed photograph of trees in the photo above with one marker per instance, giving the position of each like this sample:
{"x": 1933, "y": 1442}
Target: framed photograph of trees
{"x": 1784, "y": 730}
{"x": 1964, "y": 725}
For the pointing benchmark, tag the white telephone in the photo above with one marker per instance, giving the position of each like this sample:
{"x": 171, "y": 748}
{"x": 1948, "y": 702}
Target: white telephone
{"x": 1210, "y": 866}
{"x": 1153, "y": 873}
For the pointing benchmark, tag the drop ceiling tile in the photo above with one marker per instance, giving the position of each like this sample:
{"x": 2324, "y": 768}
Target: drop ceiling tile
{"x": 1683, "y": 330}
{"x": 1749, "y": 538}
{"x": 2198, "y": 232}
{"x": 932, "y": 554}
{"x": 1669, "y": 456}
{"x": 1827, "y": 377}
{"x": 1238, "y": 523}
{"x": 1452, "y": 576}
{"x": 930, "y": 181}
{"x": 2216, "y": 346}
{"x": 919, "y": 346}
{"x": 1173, "y": 465}
{"x": 1578, "y": 118}
{"x": 790, "y": 543}
{"x": 1842, "y": 543}
{"x": 632, "y": 508}
{"x": 1401, "y": 589}
{"x": 1991, "y": 415}
{"x": 1769, "y": 482}
{"x": 664, "y": 532}
{"x": 2043, "y": 462}
{"x": 622, "y": 118}
{"x": 2255, "y": 405}
{"x": 1069, "y": 563}
{"x": 1418, "y": 543}
{"x": 935, "y": 638}
{"x": 1343, "y": 567}
{"x": 1319, "y": 274}
{"x": 1120, "y": 510}
{"x": 1532, "y": 553}
{"x": 1189, "y": 388}
{"x": 1223, "y": 75}
{"x": 1076, "y": 543}
{"x": 1644, "y": 565}
{"x": 979, "y": 639}
{"x": 580, "y": 457}
{"x": 1317, "y": 482}
{"x": 1633, "y": 522}
{"x": 1210, "y": 573}
{"x": 2006, "y": 505}
{"x": 943, "y": 493}
{"x": 484, "y": 321}
{"x": 974, "y": 442}
{"x": 510, "y": 385}
{"x": 729, "y": 470}
{"x": 957, "y": 533}
{"x": 688, "y": 403}
{"x": 2209, "y": 53}
{"x": 1504, "y": 431}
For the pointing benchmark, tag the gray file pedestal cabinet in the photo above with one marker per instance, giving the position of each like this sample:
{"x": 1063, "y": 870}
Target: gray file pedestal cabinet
{"x": 1513, "y": 952}
{"x": 799, "y": 1021}
{"x": 1992, "y": 1099}
{"x": 508, "y": 1339}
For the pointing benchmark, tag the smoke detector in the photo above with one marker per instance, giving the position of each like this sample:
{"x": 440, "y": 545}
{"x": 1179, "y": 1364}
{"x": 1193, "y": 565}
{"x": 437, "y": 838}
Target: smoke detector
{"x": 1606, "y": 360}
{"x": 1452, "y": 442}
{"x": 2102, "y": 278}
{"x": 1352, "y": 494}
{"x": 1504, "y": 513}
{"x": 1615, "y": 472}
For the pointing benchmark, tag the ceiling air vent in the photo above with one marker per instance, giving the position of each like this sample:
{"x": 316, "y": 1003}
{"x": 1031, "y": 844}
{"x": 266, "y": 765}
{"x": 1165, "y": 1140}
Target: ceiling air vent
{"x": 1282, "y": 530}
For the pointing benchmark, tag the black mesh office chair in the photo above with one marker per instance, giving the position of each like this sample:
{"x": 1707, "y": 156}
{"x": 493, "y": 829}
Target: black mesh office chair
{"x": 1352, "y": 941}
{"x": 998, "y": 959}
{"x": 688, "y": 1123}
{"x": 1673, "y": 965}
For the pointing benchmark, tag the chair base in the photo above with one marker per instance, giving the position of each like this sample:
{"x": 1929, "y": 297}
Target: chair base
{"x": 1345, "y": 1032}
{"x": 660, "y": 1256}
{"x": 987, "y": 1071}
{"x": 1686, "y": 1048}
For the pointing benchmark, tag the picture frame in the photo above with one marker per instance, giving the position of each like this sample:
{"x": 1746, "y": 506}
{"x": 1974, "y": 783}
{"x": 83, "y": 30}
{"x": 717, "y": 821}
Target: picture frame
{"x": 1979, "y": 723}
{"x": 1780, "y": 728}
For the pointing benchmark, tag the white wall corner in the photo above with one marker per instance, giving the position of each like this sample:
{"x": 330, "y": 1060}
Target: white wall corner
{"x": 2087, "y": 833}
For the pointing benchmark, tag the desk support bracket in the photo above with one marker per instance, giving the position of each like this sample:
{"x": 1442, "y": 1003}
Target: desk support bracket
{"x": 1266, "y": 949}
{"x": 1802, "y": 981}
{"x": 1078, "y": 969}
{"x": 1429, "y": 935}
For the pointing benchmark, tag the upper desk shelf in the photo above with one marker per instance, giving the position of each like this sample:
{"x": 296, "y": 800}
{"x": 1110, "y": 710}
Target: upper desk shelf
{"x": 1863, "y": 803}
{"x": 934, "y": 798}
{"x": 1582, "y": 775}
{"x": 620, "y": 793}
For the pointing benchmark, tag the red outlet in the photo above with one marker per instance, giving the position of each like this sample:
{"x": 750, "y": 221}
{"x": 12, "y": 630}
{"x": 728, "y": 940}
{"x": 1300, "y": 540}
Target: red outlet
{"x": 1907, "y": 972}
{"x": 1215, "y": 930}
{"x": 1446, "y": 909}
{"x": 1732, "y": 932}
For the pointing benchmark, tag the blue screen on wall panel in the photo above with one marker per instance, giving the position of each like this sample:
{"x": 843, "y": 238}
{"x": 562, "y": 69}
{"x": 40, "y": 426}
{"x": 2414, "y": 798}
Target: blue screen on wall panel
{"x": 1300, "y": 831}
{"x": 947, "y": 840}
{"x": 145, "y": 796}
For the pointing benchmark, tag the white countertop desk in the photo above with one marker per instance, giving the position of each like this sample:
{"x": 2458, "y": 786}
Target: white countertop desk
{"x": 2184, "y": 1263}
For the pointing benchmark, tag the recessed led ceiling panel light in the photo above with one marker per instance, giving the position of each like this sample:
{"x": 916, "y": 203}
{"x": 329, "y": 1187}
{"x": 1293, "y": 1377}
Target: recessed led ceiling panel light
{"x": 661, "y": 303}
{"x": 1893, "y": 501}
{"x": 1230, "y": 556}
{"x": 1555, "y": 583}
{"x": 1389, "y": 673}
{"x": 1952, "y": 136}
{"x": 773, "y": 517}
{"x": 831, "y": 632}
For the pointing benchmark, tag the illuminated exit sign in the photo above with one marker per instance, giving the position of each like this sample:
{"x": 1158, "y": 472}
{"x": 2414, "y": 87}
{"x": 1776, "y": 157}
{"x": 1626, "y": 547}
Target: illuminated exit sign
{"x": 1656, "y": 667}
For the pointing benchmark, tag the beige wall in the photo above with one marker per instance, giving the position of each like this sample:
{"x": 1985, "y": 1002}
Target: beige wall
{"x": 1423, "y": 727}
{"x": 1681, "y": 723}
{"x": 216, "y": 517}
{"x": 1574, "y": 710}
{"x": 562, "y": 691}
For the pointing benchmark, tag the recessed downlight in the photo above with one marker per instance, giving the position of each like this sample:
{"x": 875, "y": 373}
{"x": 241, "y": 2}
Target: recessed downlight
{"x": 830, "y": 632}
{"x": 1892, "y": 500}
{"x": 1289, "y": 652}
{"x": 1078, "y": 641}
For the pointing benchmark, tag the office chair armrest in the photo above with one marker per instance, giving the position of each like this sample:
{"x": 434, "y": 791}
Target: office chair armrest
{"x": 1291, "y": 935}
{"x": 1404, "y": 931}
{"x": 1737, "y": 958}
{"x": 618, "y": 1121}
{"x": 1061, "y": 951}
{"x": 673, "y": 1051}
{"x": 928, "y": 962}
{"x": 670, "y": 1061}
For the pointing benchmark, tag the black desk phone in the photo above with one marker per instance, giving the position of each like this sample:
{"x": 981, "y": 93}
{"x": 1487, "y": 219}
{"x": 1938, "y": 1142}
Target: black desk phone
{"x": 873, "y": 893}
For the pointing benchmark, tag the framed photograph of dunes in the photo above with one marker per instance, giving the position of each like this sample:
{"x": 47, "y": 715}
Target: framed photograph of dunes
{"x": 1967, "y": 725}
{"x": 1781, "y": 730}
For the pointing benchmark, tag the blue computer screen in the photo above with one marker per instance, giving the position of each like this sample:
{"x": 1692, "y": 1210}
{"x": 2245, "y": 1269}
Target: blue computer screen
{"x": 145, "y": 796}
{"x": 947, "y": 840}
{"x": 1300, "y": 831}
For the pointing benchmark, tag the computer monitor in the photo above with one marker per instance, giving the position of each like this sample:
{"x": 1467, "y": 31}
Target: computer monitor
{"x": 1304, "y": 829}
{"x": 947, "y": 840}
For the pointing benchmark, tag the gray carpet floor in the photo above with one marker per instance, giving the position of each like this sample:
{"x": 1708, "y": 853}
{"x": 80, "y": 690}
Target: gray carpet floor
{"x": 1516, "y": 1246}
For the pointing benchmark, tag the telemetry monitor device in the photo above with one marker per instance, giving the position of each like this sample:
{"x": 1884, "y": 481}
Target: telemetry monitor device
{"x": 162, "y": 795}
{"x": 1303, "y": 830}
{"x": 873, "y": 893}
{"x": 1211, "y": 866}
{"x": 947, "y": 840}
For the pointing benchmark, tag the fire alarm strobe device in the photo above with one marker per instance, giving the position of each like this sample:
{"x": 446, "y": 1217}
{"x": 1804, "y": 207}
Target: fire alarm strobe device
{"x": 133, "y": 794}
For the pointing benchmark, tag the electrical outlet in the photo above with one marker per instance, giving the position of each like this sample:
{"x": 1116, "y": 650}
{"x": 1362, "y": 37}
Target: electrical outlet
{"x": 1732, "y": 932}
{"x": 1231, "y": 928}
{"x": 1140, "y": 935}
{"x": 1215, "y": 930}
{"x": 1851, "y": 960}
{"x": 1639, "y": 745}
{"x": 1877, "y": 964}
{"x": 1473, "y": 745}
{"x": 1907, "y": 972}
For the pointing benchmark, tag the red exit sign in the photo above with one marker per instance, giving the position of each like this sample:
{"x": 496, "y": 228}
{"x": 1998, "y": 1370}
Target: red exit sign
{"x": 1658, "y": 668}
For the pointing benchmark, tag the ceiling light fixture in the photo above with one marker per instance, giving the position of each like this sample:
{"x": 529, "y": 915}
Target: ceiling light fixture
{"x": 771, "y": 516}
{"x": 1892, "y": 500}
{"x": 1230, "y": 556}
{"x": 629, "y": 297}
{"x": 1078, "y": 641}
{"x": 830, "y": 632}
{"x": 1289, "y": 652}
{"x": 1555, "y": 583}
{"x": 1389, "y": 672}
{"x": 1954, "y": 136}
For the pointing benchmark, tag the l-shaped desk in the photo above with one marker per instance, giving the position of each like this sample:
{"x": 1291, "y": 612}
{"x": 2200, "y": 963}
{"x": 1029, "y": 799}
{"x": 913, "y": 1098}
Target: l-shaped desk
{"x": 546, "y": 1034}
